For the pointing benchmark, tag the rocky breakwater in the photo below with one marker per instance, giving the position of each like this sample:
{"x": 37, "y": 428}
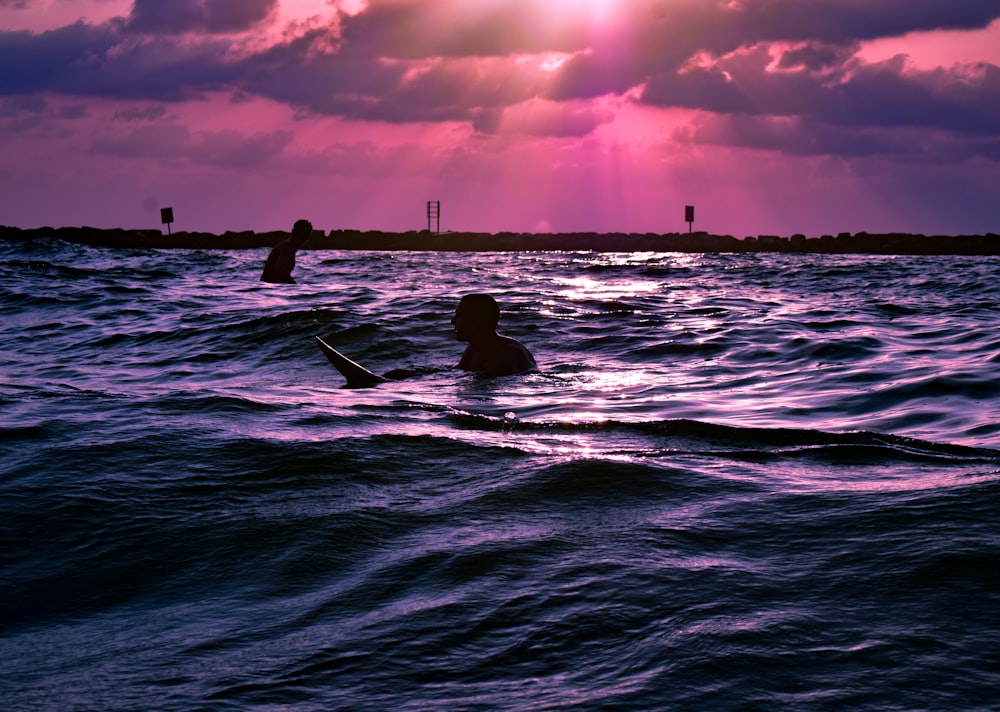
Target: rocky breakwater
{"x": 844, "y": 243}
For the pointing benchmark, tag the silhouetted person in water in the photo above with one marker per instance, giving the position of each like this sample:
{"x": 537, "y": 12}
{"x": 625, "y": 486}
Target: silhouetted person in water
{"x": 488, "y": 353}
{"x": 281, "y": 261}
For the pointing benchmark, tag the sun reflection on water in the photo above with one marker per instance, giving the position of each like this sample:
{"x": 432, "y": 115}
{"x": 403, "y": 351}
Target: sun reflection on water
{"x": 575, "y": 288}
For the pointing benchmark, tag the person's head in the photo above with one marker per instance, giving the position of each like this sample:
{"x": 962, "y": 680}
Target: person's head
{"x": 477, "y": 314}
{"x": 302, "y": 230}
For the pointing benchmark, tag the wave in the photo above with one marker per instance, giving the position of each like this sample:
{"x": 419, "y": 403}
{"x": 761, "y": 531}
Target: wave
{"x": 699, "y": 436}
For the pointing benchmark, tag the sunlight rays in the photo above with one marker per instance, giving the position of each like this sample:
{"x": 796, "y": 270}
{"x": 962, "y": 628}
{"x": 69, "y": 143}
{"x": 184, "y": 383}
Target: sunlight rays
{"x": 597, "y": 11}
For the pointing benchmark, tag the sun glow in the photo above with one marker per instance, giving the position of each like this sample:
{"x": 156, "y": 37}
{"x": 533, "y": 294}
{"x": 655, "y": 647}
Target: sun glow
{"x": 548, "y": 14}
{"x": 596, "y": 11}
{"x": 553, "y": 61}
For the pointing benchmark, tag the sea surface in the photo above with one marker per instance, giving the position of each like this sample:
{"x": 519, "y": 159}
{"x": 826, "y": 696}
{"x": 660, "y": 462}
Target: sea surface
{"x": 740, "y": 482}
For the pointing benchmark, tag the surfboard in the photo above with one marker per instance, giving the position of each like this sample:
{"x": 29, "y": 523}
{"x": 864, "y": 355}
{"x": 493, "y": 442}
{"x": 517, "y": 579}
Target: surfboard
{"x": 357, "y": 375}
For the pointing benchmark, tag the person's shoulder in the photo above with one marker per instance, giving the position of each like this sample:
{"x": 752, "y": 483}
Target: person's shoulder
{"x": 514, "y": 344}
{"x": 517, "y": 356}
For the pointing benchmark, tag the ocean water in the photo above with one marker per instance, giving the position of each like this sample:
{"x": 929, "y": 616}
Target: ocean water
{"x": 740, "y": 482}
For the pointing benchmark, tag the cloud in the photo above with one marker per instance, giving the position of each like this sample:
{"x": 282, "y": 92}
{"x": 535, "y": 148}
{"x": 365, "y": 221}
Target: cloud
{"x": 344, "y": 83}
{"x": 487, "y": 64}
{"x": 962, "y": 100}
{"x": 21, "y": 105}
{"x": 544, "y": 118}
{"x": 420, "y": 29}
{"x": 880, "y": 95}
{"x": 791, "y": 136}
{"x": 651, "y": 43}
{"x": 29, "y": 112}
{"x": 143, "y": 113}
{"x": 799, "y": 137}
{"x": 41, "y": 62}
{"x": 73, "y": 111}
{"x": 847, "y": 21}
{"x": 816, "y": 56}
{"x": 211, "y": 16}
{"x": 103, "y": 61}
{"x": 464, "y": 90}
{"x": 171, "y": 142}
{"x": 363, "y": 159}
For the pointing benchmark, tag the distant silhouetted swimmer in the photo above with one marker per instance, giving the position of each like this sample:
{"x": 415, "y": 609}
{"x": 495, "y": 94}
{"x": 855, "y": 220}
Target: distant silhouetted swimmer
{"x": 281, "y": 260}
{"x": 488, "y": 353}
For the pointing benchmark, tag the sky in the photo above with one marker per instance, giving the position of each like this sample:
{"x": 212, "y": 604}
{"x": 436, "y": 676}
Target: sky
{"x": 769, "y": 116}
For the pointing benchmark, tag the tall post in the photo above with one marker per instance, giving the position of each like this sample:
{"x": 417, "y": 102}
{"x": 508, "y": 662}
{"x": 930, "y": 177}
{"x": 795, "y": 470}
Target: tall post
{"x": 167, "y": 217}
{"x": 689, "y": 217}
{"x": 434, "y": 214}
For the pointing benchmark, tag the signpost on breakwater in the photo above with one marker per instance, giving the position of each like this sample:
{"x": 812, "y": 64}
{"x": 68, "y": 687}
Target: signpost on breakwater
{"x": 689, "y": 217}
{"x": 434, "y": 214}
{"x": 167, "y": 217}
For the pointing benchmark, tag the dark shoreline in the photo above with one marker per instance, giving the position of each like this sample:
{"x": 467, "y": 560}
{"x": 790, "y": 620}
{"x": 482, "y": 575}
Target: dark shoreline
{"x": 844, "y": 243}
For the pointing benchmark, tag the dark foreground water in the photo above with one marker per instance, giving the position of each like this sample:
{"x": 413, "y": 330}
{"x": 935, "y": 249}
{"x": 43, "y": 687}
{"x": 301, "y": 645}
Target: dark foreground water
{"x": 741, "y": 482}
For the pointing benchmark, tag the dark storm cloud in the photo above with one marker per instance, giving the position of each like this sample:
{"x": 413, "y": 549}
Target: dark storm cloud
{"x": 880, "y": 95}
{"x": 738, "y": 84}
{"x": 816, "y": 56}
{"x": 37, "y": 62}
{"x": 419, "y": 29}
{"x": 319, "y": 81}
{"x": 883, "y": 95}
{"x": 454, "y": 90}
{"x": 213, "y": 16}
{"x": 846, "y": 21}
{"x": 87, "y": 60}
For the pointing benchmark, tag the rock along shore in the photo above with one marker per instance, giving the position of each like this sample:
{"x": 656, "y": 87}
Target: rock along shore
{"x": 844, "y": 243}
